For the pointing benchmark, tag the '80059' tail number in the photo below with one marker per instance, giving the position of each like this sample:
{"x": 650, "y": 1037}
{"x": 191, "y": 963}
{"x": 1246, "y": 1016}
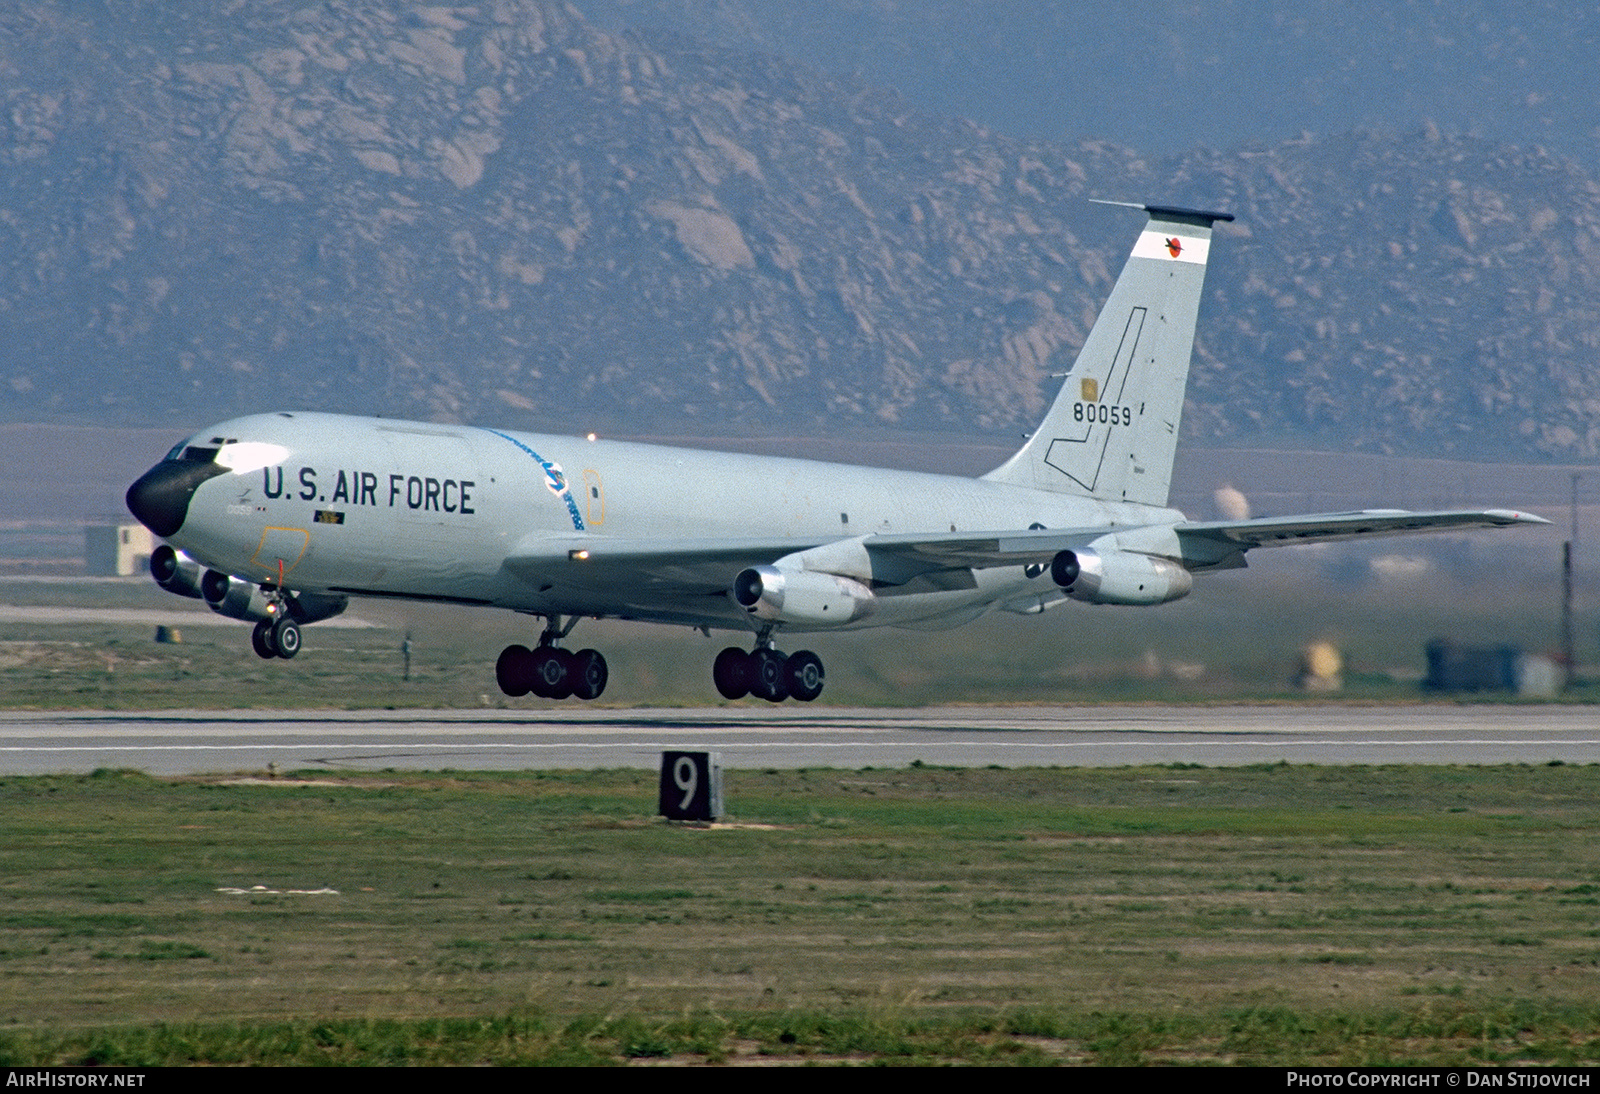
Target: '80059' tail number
{"x": 1102, "y": 412}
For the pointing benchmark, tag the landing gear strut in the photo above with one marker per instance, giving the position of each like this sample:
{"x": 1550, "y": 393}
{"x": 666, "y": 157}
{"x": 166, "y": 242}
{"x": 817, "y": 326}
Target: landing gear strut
{"x": 767, "y": 674}
{"x": 549, "y": 671}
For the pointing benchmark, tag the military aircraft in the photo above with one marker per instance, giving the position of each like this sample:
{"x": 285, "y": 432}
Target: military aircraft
{"x": 280, "y": 518}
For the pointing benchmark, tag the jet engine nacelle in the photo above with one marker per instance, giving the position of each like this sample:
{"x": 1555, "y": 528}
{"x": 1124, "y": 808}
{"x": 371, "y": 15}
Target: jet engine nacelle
{"x": 175, "y": 571}
{"x": 238, "y": 599}
{"x": 801, "y": 596}
{"x": 1119, "y": 577}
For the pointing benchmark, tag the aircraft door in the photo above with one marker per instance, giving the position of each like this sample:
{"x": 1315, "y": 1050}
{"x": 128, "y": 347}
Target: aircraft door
{"x": 279, "y": 552}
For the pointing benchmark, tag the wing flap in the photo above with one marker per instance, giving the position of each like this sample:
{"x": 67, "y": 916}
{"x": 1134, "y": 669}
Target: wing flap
{"x": 915, "y": 554}
{"x": 704, "y": 564}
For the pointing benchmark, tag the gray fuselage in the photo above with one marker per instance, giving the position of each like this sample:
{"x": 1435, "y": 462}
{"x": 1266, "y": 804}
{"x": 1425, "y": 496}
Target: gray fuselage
{"x": 334, "y": 504}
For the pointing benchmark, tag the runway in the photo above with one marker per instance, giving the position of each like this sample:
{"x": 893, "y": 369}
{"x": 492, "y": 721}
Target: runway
{"x": 791, "y": 736}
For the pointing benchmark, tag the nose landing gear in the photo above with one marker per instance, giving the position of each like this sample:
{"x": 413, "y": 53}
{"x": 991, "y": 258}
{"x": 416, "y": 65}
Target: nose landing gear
{"x": 278, "y": 637}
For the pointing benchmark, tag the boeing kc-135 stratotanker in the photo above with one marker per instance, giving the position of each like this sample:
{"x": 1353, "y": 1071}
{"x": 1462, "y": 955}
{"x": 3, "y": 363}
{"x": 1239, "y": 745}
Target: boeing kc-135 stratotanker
{"x": 280, "y": 518}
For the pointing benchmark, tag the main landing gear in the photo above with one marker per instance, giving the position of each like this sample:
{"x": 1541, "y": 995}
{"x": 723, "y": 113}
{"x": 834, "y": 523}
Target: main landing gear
{"x": 549, "y": 671}
{"x": 768, "y": 674}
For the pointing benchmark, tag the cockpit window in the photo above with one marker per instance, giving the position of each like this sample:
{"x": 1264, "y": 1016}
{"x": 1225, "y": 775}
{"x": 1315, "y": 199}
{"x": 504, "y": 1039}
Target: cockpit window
{"x": 194, "y": 450}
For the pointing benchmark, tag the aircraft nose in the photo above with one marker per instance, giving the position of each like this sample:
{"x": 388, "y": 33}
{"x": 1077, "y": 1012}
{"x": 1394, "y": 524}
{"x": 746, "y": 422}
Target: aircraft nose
{"x": 160, "y": 497}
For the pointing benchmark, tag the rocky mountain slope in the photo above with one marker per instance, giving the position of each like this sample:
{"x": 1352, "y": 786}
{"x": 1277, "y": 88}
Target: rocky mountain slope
{"x": 494, "y": 211}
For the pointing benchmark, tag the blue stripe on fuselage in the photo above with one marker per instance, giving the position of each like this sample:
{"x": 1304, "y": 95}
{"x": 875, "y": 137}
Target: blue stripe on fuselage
{"x": 554, "y": 478}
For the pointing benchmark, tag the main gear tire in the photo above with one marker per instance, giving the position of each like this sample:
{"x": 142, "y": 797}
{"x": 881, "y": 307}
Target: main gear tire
{"x": 731, "y": 673}
{"x": 553, "y": 671}
{"x": 767, "y": 676}
{"x": 589, "y": 674}
{"x": 803, "y": 675}
{"x": 513, "y": 672}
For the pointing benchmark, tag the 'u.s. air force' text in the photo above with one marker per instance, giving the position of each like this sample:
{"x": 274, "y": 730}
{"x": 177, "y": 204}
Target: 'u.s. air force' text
{"x": 423, "y": 492}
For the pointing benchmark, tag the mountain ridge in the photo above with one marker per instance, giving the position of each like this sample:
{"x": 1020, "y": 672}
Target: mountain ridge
{"x": 497, "y": 212}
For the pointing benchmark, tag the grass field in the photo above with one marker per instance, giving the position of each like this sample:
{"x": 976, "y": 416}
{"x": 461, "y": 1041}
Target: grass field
{"x": 1255, "y": 915}
{"x": 1162, "y": 915}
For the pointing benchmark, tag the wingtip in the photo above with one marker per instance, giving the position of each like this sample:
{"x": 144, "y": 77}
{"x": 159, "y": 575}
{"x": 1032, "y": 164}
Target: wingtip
{"x": 1512, "y": 516}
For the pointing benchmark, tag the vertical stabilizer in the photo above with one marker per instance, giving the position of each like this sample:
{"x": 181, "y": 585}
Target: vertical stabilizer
{"x": 1113, "y": 430}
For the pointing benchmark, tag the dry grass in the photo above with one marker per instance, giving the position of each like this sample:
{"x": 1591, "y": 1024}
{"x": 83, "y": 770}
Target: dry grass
{"x": 1237, "y": 914}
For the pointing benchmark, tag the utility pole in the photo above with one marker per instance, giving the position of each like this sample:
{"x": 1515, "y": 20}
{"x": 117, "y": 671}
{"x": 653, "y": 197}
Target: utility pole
{"x": 1566, "y": 587}
{"x": 1566, "y": 609}
{"x": 1573, "y": 509}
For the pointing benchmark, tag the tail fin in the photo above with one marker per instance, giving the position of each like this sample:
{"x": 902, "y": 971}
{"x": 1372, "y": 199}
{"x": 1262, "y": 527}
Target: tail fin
{"x": 1113, "y": 430}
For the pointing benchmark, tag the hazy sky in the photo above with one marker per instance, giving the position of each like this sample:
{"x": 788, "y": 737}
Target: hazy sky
{"x": 1168, "y": 75}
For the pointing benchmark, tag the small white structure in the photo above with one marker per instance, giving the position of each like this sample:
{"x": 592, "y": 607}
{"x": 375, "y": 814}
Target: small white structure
{"x": 1321, "y": 668}
{"x": 1539, "y": 677}
{"x": 117, "y": 550}
{"x": 1231, "y": 503}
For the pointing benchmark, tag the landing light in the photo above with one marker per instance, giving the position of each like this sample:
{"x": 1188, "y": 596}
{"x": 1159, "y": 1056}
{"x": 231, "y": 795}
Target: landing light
{"x": 592, "y": 436}
{"x": 577, "y": 556}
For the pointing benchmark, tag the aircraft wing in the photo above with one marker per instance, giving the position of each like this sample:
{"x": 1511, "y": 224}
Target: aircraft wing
{"x": 645, "y": 572}
{"x": 687, "y": 580}
{"x": 1219, "y": 544}
{"x": 1198, "y": 545}
{"x": 667, "y": 580}
{"x": 708, "y": 565}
